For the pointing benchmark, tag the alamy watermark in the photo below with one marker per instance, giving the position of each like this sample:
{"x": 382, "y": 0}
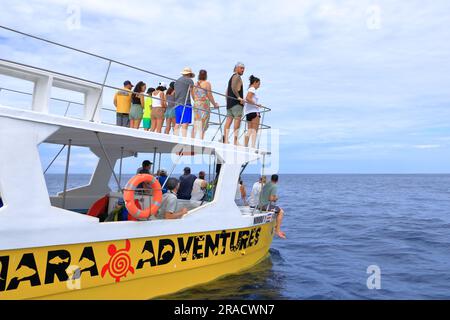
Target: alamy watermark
{"x": 73, "y": 19}
{"x": 374, "y": 279}
{"x": 74, "y": 274}
{"x": 374, "y": 20}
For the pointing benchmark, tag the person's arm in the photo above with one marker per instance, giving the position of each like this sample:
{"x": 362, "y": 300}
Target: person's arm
{"x": 236, "y": 84}
{"x": 210, "y": 96}
{"x": 249, "y": 97}
{"x": 163, "y": 101}
{"x": 142, "y": 99}
{"x": 192, "y": 91}
{"x": 175, "y": 215}
{"x": 115, "y": 100}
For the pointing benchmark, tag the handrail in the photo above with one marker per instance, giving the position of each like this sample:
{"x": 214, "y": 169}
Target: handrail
{"x": 112, "y": 61}
{"x": 211, "y": 123}
{"x": 97, "y": 83}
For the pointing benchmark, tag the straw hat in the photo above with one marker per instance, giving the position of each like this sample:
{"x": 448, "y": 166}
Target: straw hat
{"x": 187, "y": 71}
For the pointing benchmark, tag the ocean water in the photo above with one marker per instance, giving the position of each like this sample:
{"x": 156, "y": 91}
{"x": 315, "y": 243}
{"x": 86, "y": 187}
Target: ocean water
{"x": 339, "y": 225}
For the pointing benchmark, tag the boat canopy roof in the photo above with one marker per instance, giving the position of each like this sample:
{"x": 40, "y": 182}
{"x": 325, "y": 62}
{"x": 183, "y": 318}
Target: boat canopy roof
{"x": 130, "y": 139}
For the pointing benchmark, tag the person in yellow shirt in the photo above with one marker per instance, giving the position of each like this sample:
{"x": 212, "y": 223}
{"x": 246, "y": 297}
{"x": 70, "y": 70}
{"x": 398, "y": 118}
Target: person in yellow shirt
{"x": 122, "y": 102}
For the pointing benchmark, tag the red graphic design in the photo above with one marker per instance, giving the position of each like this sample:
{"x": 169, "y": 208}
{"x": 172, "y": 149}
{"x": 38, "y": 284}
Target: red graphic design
{"x": 120, "y": 262}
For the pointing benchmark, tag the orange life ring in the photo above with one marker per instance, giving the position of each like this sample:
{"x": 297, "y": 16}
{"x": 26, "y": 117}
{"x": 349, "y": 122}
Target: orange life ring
{"x": 128, "y": 196}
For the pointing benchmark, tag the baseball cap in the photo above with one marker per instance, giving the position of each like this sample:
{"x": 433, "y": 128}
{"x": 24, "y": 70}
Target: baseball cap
{"x": 128, "y": 83}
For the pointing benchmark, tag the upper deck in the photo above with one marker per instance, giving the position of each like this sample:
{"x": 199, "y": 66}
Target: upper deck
{"x": 96, "y": 113}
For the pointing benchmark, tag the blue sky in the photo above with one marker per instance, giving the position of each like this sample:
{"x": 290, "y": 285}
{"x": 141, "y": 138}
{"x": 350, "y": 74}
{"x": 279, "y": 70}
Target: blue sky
{"x": 355, "y": 86}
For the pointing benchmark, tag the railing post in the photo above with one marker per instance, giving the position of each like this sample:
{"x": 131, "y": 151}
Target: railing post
{"x": 67, "y": 109}
{"x": 101, "y": 92}
{"x": 41, "y": 93}
{"x": 66, "y": 174}
{"x": 154, "y": 160}
{"x": 120, "y": 170}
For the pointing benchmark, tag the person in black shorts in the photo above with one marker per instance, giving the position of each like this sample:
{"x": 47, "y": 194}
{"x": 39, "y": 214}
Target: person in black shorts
{"x": 252, "y": 111}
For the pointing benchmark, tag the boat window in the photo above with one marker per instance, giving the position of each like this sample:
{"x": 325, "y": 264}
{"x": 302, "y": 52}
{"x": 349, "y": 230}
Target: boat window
{"x": 67, "y": 103}
{"x": 82, "y": 163}
{"x": 15, "y": 92}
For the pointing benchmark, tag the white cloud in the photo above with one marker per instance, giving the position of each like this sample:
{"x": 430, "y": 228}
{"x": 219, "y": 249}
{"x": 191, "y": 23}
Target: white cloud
{"x": 326, "y": 75}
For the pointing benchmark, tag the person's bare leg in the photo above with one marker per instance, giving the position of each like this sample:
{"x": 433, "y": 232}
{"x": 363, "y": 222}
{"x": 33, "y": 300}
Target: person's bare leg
{"x": 138, "y": 123}
{"x": 227, "y": 129}
{"x": 237, "y": 126}
{"x": 247, "y": 134}
{"x": 184, "y": 128}
{"x": 202, "y": 132}
{"x": 159, "y": 124}
{"x": 278, "y": 231}
{"x": 172, "y": 124}
{"x": 162, "y": 124}
{"x": 168, "y": 123}
{"x": 194, "y": 130}
{"x": 153, "y": 125}
{"x": 176, "y": 129}
{"x": 255, "y": 126}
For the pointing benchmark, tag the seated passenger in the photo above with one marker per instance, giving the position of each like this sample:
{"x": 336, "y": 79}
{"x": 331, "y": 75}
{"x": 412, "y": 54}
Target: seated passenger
{"x": 241, "y": 194}
{"x": 269, "y": 195}
{"x": 256, "y": 190}
{"x": 169, "y": 205}
{"x": 146, "y": 167}
{"x": 199, "y": 187}
{"x": 186, "y": 184}
{"x": 144, "y": 188}
{"x": 162, "y": 177}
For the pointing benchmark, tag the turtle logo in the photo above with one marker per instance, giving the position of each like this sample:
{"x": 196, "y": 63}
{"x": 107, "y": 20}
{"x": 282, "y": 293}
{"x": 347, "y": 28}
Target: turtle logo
{"x": 119, "y": 263}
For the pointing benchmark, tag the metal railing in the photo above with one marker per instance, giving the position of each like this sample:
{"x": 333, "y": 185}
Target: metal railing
{"x": 219, "y": 122}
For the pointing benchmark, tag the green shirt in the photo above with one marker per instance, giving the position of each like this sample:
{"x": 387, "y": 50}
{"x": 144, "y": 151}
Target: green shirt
{"x": 269, "y": 189}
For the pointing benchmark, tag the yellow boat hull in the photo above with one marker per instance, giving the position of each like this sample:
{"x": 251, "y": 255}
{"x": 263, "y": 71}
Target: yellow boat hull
{"x": 140, "y": 268}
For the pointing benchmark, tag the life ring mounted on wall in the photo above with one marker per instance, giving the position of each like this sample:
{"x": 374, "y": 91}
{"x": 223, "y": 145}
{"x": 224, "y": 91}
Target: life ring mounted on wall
{"x": 129, "y": 191}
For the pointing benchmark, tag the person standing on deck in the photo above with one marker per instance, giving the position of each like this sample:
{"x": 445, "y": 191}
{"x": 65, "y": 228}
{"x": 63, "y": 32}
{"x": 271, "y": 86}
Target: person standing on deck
{"x": 203, "y": 98}
{"x": 183, "y": 91}
{"x": 137, "y": 105}
{"x": 147, "y": 116}
{"x": 170, "y": 111}
{"x": 158, "y": 107}
{"x": 122, "y": 102}
{"x": 235, "y": 102}
{"x": 269, "y": 195}
{"x": 252, "y": 111}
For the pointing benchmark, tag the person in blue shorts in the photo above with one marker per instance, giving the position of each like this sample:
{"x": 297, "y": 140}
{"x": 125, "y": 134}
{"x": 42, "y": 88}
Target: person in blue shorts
{"x": 183, "y": 92}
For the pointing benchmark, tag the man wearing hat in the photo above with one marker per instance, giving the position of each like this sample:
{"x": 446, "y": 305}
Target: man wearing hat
{"x": 122, "y": 102}
{"x": 183, "y": 92}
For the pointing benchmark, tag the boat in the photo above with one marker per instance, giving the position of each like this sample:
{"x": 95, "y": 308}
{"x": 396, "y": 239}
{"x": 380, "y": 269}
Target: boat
{"x": 51, "y": 249}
